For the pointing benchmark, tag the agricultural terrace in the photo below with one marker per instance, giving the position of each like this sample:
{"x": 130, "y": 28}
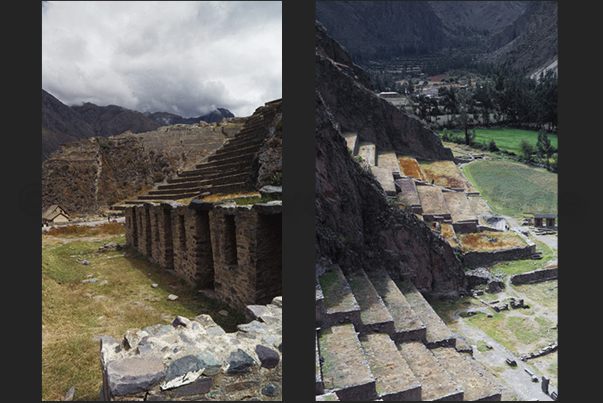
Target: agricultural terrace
{"x": 507, "y": 139}
{"x": 410, "y": 167}
{"x": 514, "y": 189}
{"x": 445, "y": 173}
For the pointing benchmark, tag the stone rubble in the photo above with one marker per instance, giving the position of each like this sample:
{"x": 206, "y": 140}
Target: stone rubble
{"x": 197, "y": 359}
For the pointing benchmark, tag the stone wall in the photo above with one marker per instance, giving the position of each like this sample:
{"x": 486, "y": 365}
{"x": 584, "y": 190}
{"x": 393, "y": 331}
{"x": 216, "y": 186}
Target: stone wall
{"x": 197, "y": 360}
{"x": 535, "y": 276}
{"x": 477, "y": 259}
{"x": 235, "y": 250}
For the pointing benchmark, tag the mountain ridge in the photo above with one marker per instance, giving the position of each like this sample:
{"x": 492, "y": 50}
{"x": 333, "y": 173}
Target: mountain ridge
{"x": 63, "y": 124}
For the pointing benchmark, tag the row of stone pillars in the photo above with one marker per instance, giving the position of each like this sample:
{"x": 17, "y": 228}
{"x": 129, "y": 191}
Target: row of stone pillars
{"x": 235, "y": 250}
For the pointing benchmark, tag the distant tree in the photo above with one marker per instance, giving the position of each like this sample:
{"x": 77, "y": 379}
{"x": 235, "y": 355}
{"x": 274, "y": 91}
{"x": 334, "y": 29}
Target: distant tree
{"x": 545, "y": 149}
{"x": 464, "y": 98}
{"x": 526, "y": 149}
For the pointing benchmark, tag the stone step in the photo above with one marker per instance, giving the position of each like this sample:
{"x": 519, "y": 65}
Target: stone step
{"x": 385, "y": 178}
{"x": 408, "y": 194}
{"x": 437, "y": 333}
{"x": 394, "y": 379}
{"x": 345, "y": 370}
{"x": 367, "y": 151}
{"x": 407, "y": 325}
{"x": 388, "y": 159}
{"x": 227, "y": 160}
{"x": 436, "y": 382}
{"x": 374, "y": 316}
{"x": 461, "y": 212}
{"x": 191, "y": 184}
{"x": 232, "y": 153}
{"x": 340, "y": 304}
{"x": 433, "y": 203}
{"x": 476, "y": 387}
{"x": 352, "y": 141}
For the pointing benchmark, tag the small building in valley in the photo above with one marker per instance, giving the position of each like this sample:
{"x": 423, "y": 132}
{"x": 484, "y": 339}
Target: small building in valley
{"x": 55, "y": 214}
{"x": 544, "y": 220}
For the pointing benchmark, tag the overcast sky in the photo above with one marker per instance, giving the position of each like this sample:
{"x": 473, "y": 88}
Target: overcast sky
{"x": 182, "y": 57}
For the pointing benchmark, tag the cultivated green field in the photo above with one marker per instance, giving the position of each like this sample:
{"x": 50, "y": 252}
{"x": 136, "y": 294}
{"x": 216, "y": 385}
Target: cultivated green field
{"x": 508, "y": 138}
{"x": 514, "y": 189}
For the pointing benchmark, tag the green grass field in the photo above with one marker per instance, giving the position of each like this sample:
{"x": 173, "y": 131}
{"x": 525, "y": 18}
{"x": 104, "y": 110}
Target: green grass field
{"x": 508, "y": 138}
{"x": 75, "y": 314}
{"x": 514, "y": 189}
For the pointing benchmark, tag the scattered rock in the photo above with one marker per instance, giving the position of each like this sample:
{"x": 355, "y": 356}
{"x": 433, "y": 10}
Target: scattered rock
{"x": 268, "y": 357}
{"x": 69, "y": 395}
{"x": 172, "y": 297}
{"x": 93, "y": 280}
{"x": 239, "y": 362}
{"x": 270, "y": 390}
{"x": 154, "y": 285}
{"x": 181, "y": 321}
{"x": 223, "y": 312}
{"x": 85, "y": 262}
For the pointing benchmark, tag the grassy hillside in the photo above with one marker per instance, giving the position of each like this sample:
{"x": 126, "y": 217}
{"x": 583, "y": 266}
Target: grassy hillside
{"x": 514, "y": 189}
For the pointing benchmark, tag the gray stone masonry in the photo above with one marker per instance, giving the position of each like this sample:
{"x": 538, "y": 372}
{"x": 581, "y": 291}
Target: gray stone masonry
{"x": 196, "y": 360}
{"x": 235, "y": 250}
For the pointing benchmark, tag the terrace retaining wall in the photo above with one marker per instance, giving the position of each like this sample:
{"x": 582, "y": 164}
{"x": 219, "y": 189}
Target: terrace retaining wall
{"x": 235, "y": 250}
{"x": 476, "y": 259}
{"x": 535, "y": 276}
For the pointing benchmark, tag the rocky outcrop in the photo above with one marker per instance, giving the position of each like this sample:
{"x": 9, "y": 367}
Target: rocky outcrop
{"x": 344, "y": 92}
{"x": 355, "y": 225}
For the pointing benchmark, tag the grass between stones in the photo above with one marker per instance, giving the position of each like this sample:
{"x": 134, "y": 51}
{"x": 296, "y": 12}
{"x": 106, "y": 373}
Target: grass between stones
{"x": 76, "y": 312}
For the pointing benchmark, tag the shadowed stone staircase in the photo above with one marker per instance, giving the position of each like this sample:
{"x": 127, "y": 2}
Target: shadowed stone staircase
{"x": 225, "y": 171}
{"x": 379, "y": 339}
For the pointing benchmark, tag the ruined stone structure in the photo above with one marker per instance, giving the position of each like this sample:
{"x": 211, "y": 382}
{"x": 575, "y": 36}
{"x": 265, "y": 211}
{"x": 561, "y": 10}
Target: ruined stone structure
{"x": 234, "y": 250}
{"x": 197, "y": 360}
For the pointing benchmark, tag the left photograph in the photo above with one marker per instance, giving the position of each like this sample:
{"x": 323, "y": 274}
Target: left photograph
{"x": 161, "y": 200}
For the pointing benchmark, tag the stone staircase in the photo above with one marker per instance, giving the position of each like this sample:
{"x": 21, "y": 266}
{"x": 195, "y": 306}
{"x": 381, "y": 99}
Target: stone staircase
{"x": 379, "y": 339}
{"x": 462, "y": 208}
{"x": 225, "y": 171}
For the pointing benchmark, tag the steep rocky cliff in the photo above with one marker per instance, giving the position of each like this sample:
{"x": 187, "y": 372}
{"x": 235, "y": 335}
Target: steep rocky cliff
{"x": 355, "y": 225}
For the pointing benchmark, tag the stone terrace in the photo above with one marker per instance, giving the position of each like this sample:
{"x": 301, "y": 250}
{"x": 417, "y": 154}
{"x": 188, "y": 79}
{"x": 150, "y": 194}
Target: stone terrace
{"x": 388, "y": 345}
{"x": 439, "y": 193}
{"x": 225, "y": 171}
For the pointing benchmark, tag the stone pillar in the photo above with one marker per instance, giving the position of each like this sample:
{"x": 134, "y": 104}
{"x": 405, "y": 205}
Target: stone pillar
{"x": 145, "y": 247}
{"x": 131, "y": 231}
{"x": 179, "y": 238}
{"x": 224, "y": 249}
{"x": 268, "y": 253}
{"x": 200, "y": 250}
{"x": 545, "y": 385}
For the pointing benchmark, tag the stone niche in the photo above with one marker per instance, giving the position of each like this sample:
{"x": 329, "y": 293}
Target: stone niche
{"x": 235, "y": 250}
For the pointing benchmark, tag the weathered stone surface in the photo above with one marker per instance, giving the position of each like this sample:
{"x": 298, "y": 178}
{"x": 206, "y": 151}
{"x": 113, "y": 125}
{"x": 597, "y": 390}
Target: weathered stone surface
{"x": 181, "y": 321}
{"x": 270, "y": 390}
{"x": 181, "y": 366}
{"x": 133, "y": 375}
{"x": 239, "y": 362}
{"x": 268, "y": 357}
{"x": 253, "y": 327}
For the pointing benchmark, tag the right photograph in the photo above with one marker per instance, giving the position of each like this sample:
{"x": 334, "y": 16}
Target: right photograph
{"x": 436, "y": 200}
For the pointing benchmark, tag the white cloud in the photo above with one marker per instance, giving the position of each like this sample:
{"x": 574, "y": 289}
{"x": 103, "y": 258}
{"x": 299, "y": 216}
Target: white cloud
{"x": 181, "y": 57}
